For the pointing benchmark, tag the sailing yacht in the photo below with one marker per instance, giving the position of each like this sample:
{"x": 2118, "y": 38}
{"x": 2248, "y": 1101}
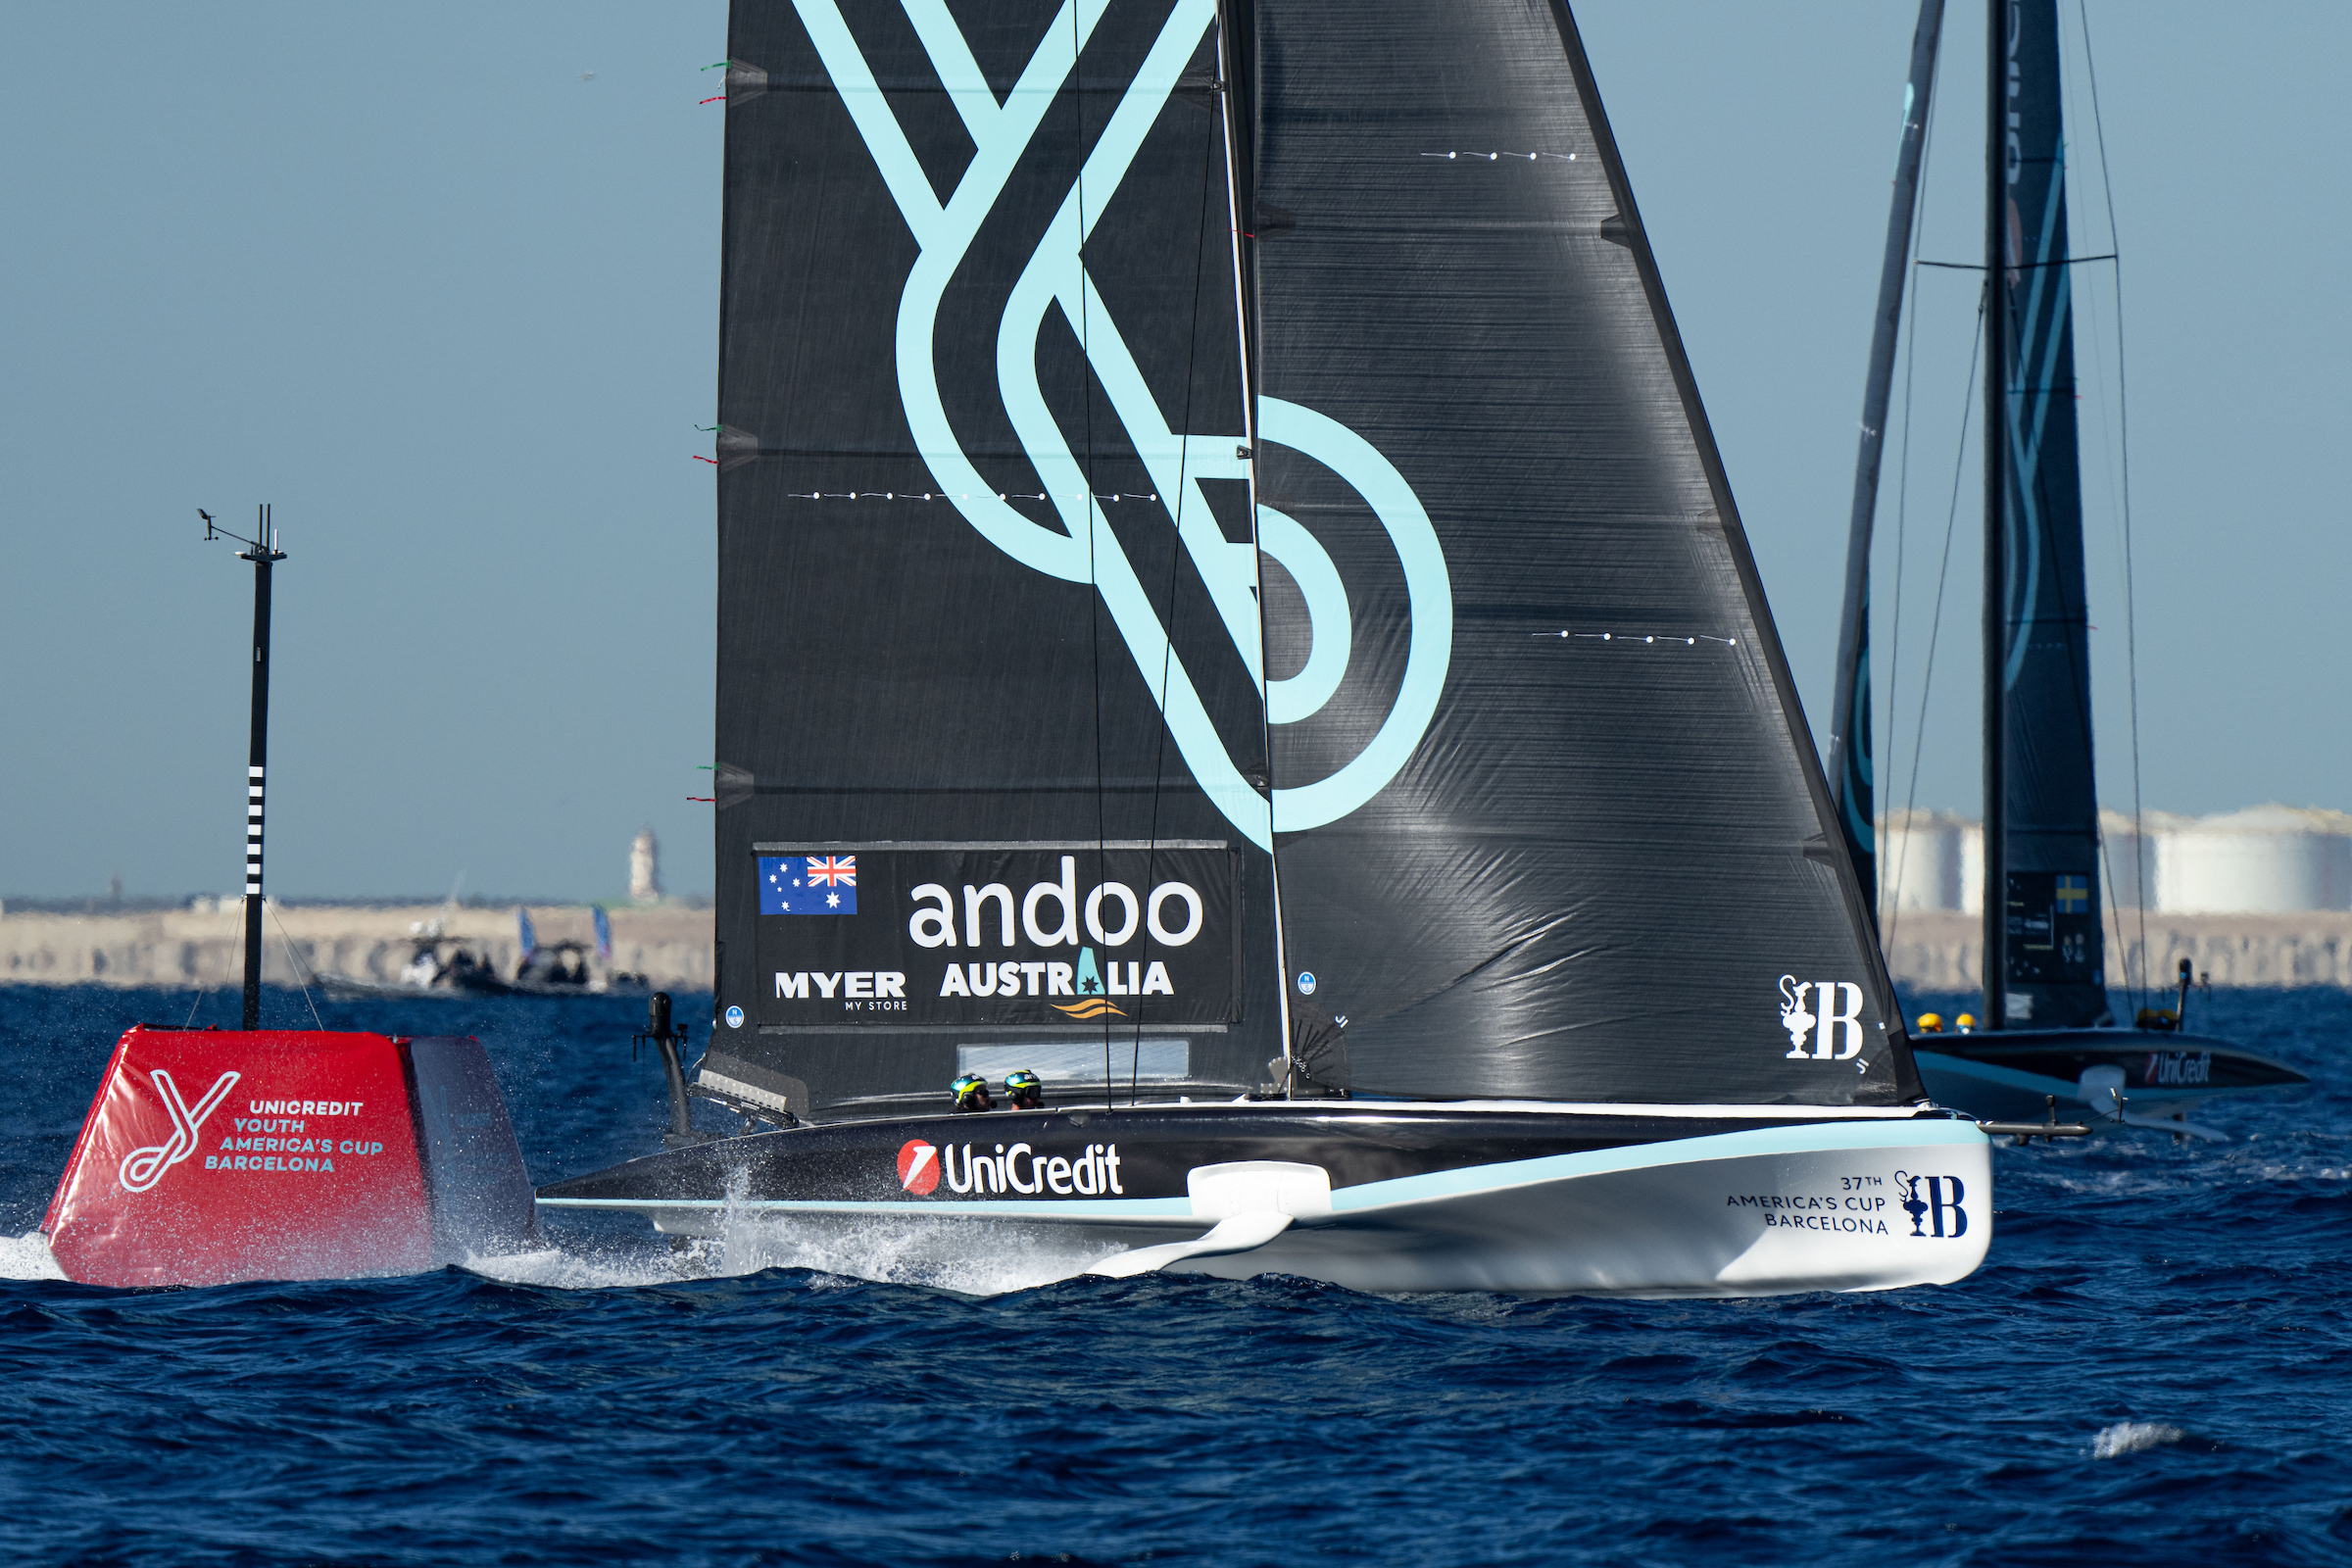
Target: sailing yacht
{"x": 2047, "y": 1037}
{"x": 1229, "y": 603}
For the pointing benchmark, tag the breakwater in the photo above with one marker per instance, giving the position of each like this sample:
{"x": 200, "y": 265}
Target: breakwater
{"x": 671, "y": 946}
{"x": 1931, "y": 950}
{"x": 1942, "y": 950}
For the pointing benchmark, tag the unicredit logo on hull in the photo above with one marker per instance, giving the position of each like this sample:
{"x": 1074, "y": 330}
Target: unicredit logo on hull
{"x": 918, "y": 1168}
{"x": 1017, "y": 1168}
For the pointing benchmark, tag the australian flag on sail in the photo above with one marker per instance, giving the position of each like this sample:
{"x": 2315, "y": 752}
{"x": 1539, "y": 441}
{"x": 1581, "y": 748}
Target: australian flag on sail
{"x": 808, "y": 884}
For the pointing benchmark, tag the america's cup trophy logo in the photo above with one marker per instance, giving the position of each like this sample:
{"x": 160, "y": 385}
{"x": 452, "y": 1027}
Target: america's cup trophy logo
{"x": 142, "y": 1168}
{"x": 1795, "y": 1016}
{"x": 1089, "y": 551}
{"x": 1835, "y": 1009}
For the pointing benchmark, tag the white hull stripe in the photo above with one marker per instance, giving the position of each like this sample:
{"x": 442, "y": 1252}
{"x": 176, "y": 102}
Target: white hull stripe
{"x": 1806, "y": 1140}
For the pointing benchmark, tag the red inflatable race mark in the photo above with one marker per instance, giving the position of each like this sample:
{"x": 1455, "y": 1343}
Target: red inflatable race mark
{"x": 208, "y": 1158}
{"x": 918, "y": 1168}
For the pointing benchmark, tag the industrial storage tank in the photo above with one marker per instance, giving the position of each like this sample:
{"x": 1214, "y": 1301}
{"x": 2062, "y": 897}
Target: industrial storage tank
{"x": 2128, "y": 856}
{"x": 1971, "y": 867}
{"x": 2267, "y": 860}
{"x": 1919, "y": 860}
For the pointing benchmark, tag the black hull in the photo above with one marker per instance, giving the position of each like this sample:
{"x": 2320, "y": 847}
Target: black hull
{"x": 1588, "y": 1199}
{"x": 1158, "y": 1147}
{"x": 2009, "y": 1075}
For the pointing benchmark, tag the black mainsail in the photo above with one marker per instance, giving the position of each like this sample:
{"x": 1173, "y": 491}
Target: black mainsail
{"x": 2044, "y": 964}
{"x": 982, "y": 525}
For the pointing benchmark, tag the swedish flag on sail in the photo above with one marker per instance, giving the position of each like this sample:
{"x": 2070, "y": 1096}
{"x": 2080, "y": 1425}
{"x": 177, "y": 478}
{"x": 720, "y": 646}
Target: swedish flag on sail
{"x": 2074, "y": 894}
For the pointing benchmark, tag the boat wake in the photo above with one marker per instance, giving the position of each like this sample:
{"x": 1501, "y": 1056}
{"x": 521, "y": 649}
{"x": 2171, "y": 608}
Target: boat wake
{"x": 885, "y": 1250}
{"x": 615, "y": 1268}
{"x": 2132, "y": 1437}
{"x": 2133, "y": 1171}
{"x": 930, "y": 1255}
{"x": 28, "y": 1257}
{"x": 896, "y": 1250}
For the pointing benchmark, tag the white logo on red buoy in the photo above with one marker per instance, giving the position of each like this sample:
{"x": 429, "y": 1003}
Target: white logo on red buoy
{"x": 142, "y": 1168}
{"x": 918, "y": 1168}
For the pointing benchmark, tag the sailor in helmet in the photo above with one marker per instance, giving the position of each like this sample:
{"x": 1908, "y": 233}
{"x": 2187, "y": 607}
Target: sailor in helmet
{"x": 970, "y": 1091}
{"x": 1025, "y": 1090}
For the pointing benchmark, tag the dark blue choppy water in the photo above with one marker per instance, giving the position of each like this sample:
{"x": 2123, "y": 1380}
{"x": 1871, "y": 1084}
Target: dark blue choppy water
{"x": 2155, "y": 1366}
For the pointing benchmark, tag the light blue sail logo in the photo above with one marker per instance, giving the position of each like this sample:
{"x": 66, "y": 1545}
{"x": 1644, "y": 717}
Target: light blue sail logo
{"x": 1089, "y": 552}
{"x": 2030, "y": 396}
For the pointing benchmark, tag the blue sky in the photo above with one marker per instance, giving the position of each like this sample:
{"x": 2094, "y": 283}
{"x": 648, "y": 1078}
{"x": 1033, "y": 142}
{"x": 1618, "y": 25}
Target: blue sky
{"x": 440, "y": 283}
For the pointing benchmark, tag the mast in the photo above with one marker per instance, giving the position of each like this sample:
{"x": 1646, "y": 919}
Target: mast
{"x": 2045, "y": 955}
{"x": 264, "y": 553}
{"x": 1237, "y": 105}
{"x": 1850, "y": 760}
{"x": 1999, "y": 139}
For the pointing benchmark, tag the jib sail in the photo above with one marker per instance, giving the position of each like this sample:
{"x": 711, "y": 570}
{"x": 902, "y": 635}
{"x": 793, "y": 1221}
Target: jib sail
{"x": 1554, "y": 827}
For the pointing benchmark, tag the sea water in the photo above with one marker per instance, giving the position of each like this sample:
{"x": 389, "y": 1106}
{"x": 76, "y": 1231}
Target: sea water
{"x": 2154, "y": 1366}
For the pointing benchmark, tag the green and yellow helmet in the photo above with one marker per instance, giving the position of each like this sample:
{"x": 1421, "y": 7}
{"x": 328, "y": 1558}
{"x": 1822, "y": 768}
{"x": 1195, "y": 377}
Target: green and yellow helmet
{"x": 1025, "y": 1087}
{"x": 970, "y": 1091}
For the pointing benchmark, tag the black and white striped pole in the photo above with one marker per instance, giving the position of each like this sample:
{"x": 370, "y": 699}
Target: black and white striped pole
{"x": 264, "y": 553}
